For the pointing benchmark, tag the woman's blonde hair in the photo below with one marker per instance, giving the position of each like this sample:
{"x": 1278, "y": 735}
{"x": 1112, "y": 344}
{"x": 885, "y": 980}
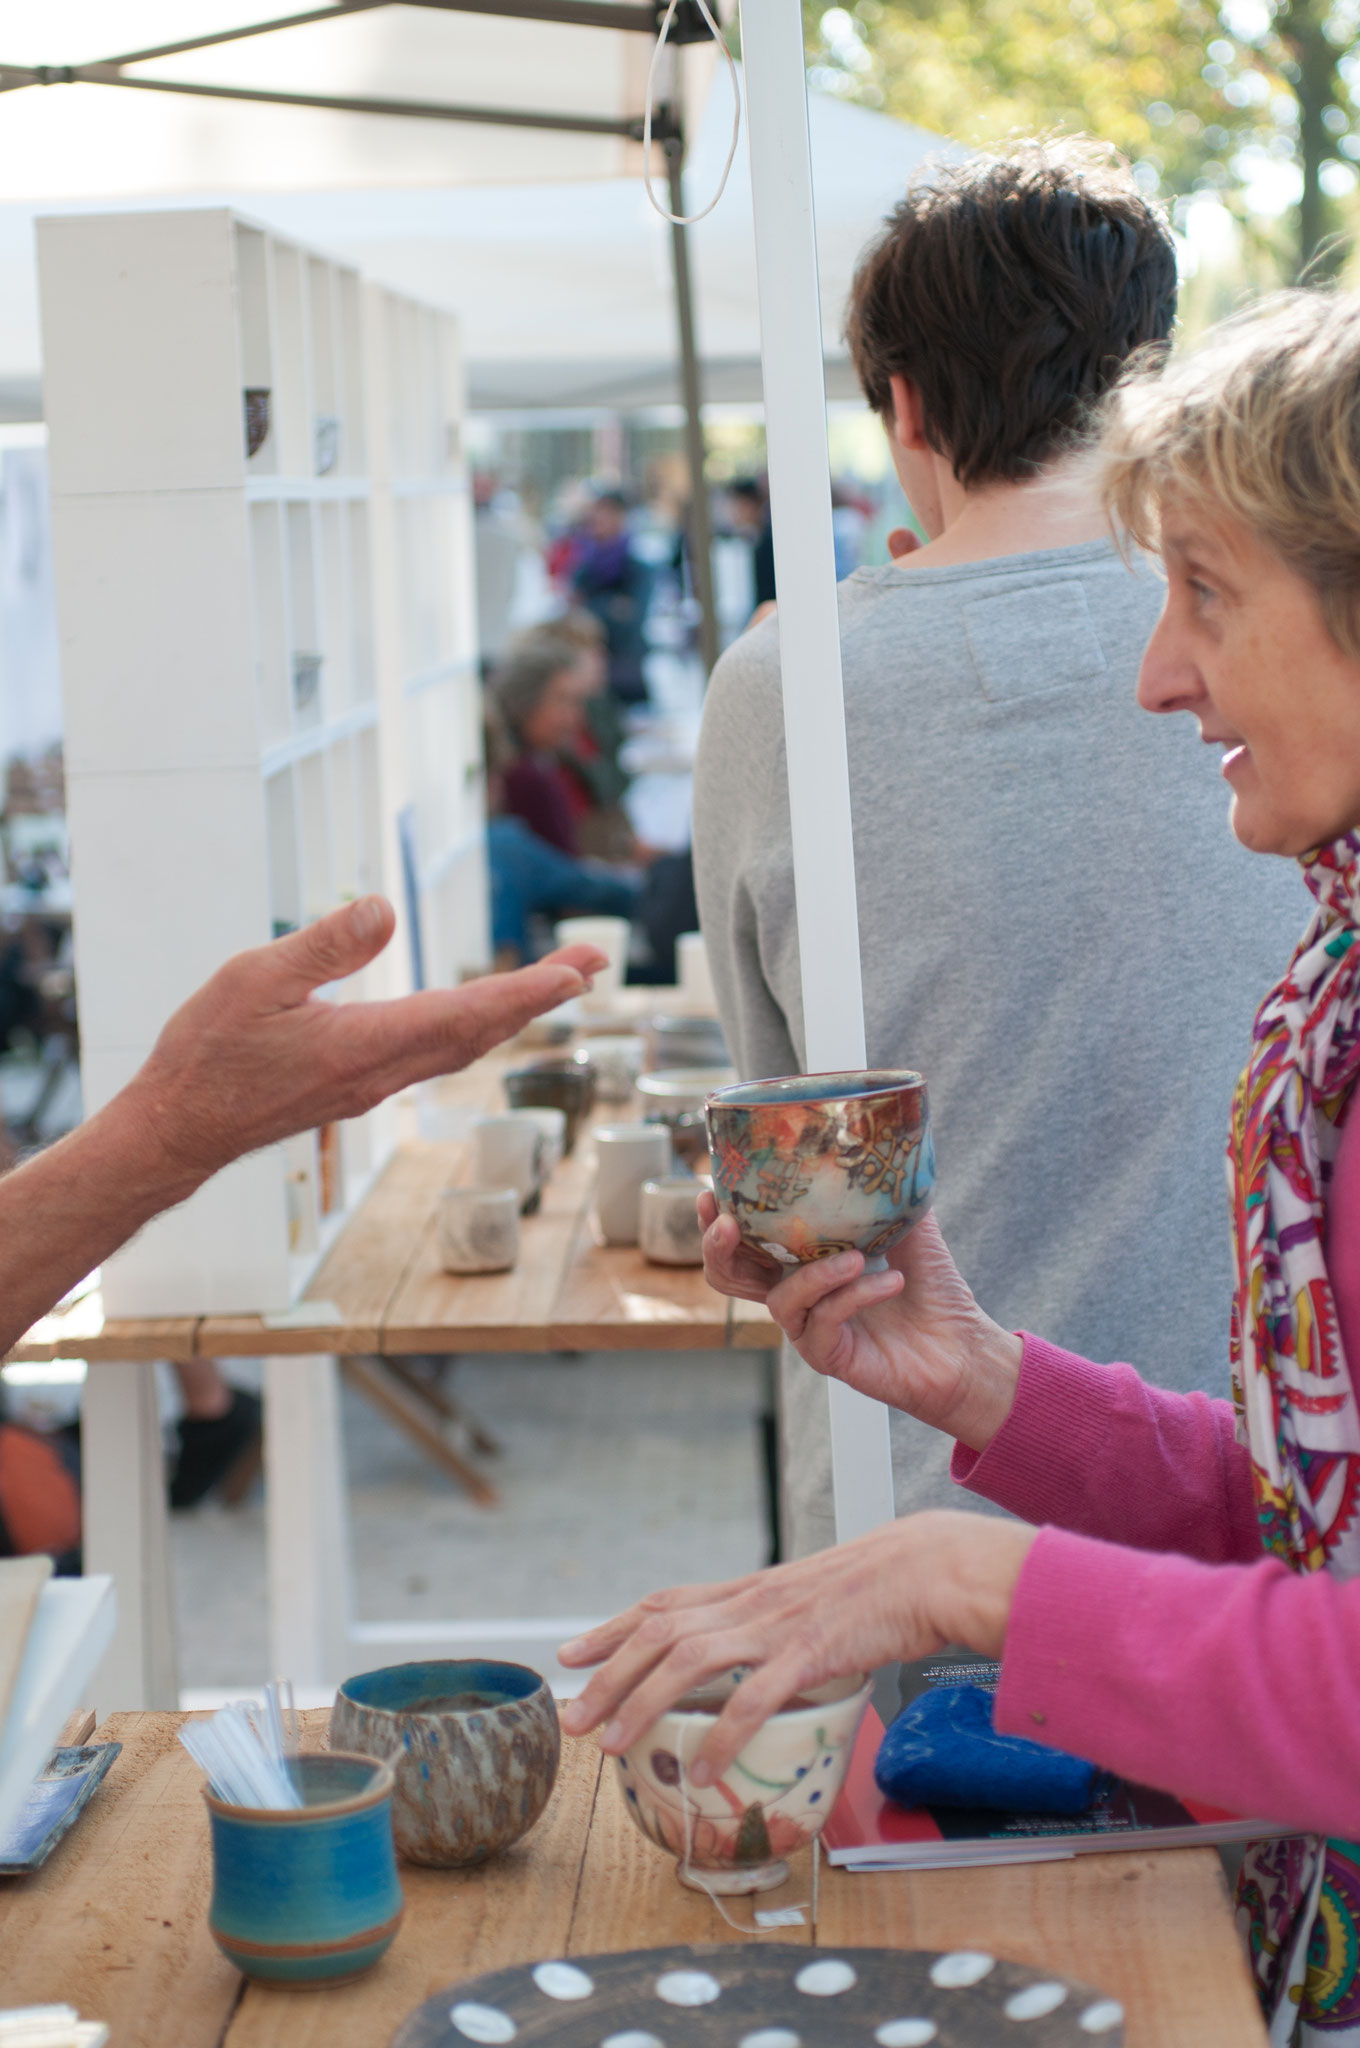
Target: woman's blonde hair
{"x": 1259, "y": 423}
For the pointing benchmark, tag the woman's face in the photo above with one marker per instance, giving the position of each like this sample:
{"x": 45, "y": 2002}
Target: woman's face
{"x": 1242, "y": 644}
{"x": 556, "y": 718}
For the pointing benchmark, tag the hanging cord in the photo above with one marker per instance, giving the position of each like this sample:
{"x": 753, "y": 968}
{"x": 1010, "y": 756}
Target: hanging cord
{"x": 687, "y": 220}
{"x": 697, "y": 1877}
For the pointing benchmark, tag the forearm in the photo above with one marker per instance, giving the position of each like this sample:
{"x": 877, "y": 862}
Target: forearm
{"x": 64, "y": 1211}
{"x": 1095, "y": 1449}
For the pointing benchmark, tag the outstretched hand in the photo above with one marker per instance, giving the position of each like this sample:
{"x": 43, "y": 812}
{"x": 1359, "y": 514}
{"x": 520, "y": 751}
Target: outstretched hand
{"x": 257, "y": 1053}
{"x": 902, "y": 1591}
{"x": 912, "y": 1336}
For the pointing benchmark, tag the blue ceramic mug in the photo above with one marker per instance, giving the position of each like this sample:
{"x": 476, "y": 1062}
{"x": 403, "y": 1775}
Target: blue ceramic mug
{"x": 308, "y": 1895}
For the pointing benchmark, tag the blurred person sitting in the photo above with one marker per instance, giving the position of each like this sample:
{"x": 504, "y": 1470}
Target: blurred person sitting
{"x": 536, "y": 710}
{"x": 590, "y": 755}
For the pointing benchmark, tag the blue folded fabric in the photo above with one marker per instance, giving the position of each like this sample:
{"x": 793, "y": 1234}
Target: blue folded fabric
{"x": 942, "y": 1750}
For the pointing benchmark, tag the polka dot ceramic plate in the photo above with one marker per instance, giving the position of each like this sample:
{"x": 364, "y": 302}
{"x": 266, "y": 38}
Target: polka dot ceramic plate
{"x": 769, "y": 1996}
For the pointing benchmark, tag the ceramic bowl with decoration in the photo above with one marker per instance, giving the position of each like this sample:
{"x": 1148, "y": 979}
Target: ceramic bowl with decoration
{"x": 734, "y": 1836}
{"x": 822, "y": 1163}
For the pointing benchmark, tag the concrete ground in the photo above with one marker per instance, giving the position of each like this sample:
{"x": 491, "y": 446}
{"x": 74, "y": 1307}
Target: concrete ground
{"x": 619, "y": 1472}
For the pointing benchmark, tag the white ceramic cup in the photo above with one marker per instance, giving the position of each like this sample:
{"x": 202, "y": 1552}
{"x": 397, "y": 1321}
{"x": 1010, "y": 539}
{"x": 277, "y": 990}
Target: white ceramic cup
{"x": 626, "y": 1156}
{"x": 692, "y": 971}
{"x": 552, "y": 1123}
{"x": 508, "y": 1151}
{"x": 478, "y": 1229}
{"x": 611, "y": 935}
{"x": 617, "y": 1063}
{"x": 668, "y": 1221}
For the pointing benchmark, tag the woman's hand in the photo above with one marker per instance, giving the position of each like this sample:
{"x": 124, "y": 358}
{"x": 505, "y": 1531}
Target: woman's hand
{"x": 902, "y": 1591}
{"x": 912, "y": 1336}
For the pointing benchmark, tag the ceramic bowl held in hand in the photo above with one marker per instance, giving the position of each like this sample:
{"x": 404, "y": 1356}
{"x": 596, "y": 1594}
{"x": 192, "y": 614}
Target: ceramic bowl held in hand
{"x": 733, "y": 1836}
{"x": 823, "y": 1163}
{"x": 474, "y": 1745}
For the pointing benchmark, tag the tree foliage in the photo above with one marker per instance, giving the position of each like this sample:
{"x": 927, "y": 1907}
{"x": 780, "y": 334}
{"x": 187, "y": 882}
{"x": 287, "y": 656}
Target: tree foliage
{"x": 1200, "y": 94}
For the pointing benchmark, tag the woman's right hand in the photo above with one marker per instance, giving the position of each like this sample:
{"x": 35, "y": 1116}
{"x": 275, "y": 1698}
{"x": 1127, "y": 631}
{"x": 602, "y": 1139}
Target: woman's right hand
{"x": 912, "y": 1336}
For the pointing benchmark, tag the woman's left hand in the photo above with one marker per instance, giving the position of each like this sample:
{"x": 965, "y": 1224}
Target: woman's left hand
{"x": 902, "y": 1591}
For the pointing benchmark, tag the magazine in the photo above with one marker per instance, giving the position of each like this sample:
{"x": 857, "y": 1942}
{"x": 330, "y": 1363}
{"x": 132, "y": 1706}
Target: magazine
{"x": 868, "y": 1832}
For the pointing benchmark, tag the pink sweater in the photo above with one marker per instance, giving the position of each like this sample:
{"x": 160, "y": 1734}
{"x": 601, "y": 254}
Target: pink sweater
{"x": 1148, "y": 1631}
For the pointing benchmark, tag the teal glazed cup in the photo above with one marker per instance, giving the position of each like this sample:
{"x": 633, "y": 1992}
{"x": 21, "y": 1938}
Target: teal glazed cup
{"x": 308, "y": 1896}
{"x": 475, "y": 1747}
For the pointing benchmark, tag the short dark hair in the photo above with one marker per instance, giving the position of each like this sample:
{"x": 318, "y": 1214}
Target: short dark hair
{"x": 1012, "y": 290}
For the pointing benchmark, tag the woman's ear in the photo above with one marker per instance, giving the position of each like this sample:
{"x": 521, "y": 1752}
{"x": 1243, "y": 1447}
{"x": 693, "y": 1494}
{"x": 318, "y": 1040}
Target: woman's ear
{"x": 908, "y": 415}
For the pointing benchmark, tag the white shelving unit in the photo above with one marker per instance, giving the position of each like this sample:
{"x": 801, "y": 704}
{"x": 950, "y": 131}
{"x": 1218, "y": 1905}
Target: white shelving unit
{"x": 261, "y": 529}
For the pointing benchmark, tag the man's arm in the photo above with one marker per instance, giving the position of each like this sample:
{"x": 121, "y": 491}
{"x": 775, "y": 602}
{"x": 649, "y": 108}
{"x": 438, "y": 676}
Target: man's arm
{"x": 255, "y": 1055}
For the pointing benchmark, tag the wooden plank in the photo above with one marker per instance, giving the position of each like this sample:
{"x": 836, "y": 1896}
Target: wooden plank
{"x": 630, "y": 1896}
{"x": 615, "y": 1299}
{"x": 1153, "y": 1930}
{"x": 362, "y": 1270}
{"x": 417, "y": 1420}
{"x": 515, "y": 1909}
{"x": 116, "y": 1921}
{"x": 82, "y": 1332}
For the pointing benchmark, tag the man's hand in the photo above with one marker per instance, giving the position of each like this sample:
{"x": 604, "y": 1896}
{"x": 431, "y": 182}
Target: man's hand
{"x": 257, "y": 1054}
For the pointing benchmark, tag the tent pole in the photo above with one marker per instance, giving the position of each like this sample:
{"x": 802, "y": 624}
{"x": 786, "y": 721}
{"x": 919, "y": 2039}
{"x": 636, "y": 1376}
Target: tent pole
{"x": 701, "y": 542}
{"x": 809, "y": 637}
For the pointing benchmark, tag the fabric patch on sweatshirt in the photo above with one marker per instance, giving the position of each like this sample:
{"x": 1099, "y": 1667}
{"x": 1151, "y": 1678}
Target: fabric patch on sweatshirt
{"x": 1023, "y": 644}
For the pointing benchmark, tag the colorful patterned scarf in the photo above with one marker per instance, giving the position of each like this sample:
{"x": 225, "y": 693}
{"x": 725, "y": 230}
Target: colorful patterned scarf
{"x": 1299, "y": 1900}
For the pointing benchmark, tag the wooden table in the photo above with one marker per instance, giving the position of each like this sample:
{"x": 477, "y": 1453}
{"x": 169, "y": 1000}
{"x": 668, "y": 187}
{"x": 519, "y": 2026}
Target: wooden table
{"x": 380, "y": 1294}
{"x": 115, "y": 1923}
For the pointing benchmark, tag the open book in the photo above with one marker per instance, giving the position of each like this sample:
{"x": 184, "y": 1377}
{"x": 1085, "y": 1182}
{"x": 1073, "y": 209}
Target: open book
{"x": 867, "y": 1832}
{"x": 53, "y": 1633}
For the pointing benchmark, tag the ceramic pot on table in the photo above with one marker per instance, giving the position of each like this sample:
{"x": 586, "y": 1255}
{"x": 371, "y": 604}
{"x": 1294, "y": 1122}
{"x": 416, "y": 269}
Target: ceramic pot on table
{"x": 474, "y": 1746}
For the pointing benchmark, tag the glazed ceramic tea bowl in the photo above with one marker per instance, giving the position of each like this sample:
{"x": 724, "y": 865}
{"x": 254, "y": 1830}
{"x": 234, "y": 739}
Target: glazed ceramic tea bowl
{"x": 733, "y": 1836}
{"x": 474, "y": 1746}
{"x": 822, "y": 1163}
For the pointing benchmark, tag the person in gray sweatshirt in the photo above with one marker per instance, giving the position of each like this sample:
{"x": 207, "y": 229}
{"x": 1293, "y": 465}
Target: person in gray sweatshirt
{"x": 1023, "y": 832}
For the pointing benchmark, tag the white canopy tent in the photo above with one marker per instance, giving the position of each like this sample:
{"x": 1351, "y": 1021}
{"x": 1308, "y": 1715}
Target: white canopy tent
{"x": 369, "y": 93}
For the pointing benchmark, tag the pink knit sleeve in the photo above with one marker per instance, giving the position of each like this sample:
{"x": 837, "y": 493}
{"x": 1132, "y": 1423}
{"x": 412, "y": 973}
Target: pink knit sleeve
{"x": 1235, "y": 1684}
{"x": 1095, "y": 1449}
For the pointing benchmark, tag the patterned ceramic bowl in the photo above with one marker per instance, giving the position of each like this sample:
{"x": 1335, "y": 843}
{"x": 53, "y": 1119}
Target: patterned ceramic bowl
{"x": 734, "y": 1836}
{"x": 823, "y": 1163}
{"x": 474, "y": 1745}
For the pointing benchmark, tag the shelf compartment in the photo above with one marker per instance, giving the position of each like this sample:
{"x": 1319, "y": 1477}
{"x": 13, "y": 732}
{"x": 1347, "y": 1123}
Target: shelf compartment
{"x": 273, "y": 681}
{"x": 314, "y": 835}
{"x": 257, "y": 354}
{"x": 281, "y": 837}
{"x": 334, "y": 592}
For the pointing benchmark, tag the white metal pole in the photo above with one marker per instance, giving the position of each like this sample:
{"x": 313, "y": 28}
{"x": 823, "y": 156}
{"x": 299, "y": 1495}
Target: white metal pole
{"x": 809, "y": 634}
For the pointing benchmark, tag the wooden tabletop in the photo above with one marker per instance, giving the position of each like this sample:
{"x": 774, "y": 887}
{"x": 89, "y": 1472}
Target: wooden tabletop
{"x": 568, "y": 1292}
{"x": 116, "y": 1922}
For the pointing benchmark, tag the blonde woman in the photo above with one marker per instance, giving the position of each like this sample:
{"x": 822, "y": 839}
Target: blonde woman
{"x": 1179, "y": 1601}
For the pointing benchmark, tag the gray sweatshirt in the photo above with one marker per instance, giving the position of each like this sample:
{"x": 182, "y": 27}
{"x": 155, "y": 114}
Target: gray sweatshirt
{"x": 1057, "y": 928}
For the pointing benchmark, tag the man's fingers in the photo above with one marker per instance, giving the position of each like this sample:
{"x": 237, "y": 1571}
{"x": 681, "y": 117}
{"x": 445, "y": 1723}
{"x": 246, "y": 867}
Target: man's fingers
{"x": 333, "y": 948}
{"x": 440, "y": 1030}
{"x": 585, "y": 959}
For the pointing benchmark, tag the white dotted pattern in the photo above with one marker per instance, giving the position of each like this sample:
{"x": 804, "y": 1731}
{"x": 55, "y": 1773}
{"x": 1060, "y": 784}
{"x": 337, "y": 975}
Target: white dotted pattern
{"x": 563, "y": 1980}
{"x": 1101, "y": 2018}
{"x": 905, "y": 2033}
{"x": 635, "y": 2037}
{"x": 483, "y": 2022}
{"x": 964, "y": 1966}
{"x": 771, "y": 2037}
{"x": 826, "y": 1979}
{"x": 1035, "y": 2001}
{"x": 688, "y": 1987}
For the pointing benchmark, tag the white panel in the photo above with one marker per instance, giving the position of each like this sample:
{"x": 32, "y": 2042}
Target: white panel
{"x": 141, "y": 365}
{"x": 156, "y": 649}
{"x": 169, "y": 878}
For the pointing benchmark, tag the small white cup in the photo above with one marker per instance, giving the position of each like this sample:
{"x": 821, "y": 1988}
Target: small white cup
{"x": 692, "y": 970}
{"x": 611, "y": 935}
{"x": 478, "y": 1229}
{"x": 668, "y": 1222}
{"x": 508, "y": 1151}
{"x": 626, "y": 1155}
{"x": 617, "y": 1063}
{"x": 552, "y": 1123}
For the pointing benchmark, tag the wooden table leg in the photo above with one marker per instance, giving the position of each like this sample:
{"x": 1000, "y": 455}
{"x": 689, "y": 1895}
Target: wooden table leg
{"x": 306, "y": 1522}
{"x": 416, "y": 1417}
{"x": 445, "y": 1405}
{"x": 126, "y": 1533}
